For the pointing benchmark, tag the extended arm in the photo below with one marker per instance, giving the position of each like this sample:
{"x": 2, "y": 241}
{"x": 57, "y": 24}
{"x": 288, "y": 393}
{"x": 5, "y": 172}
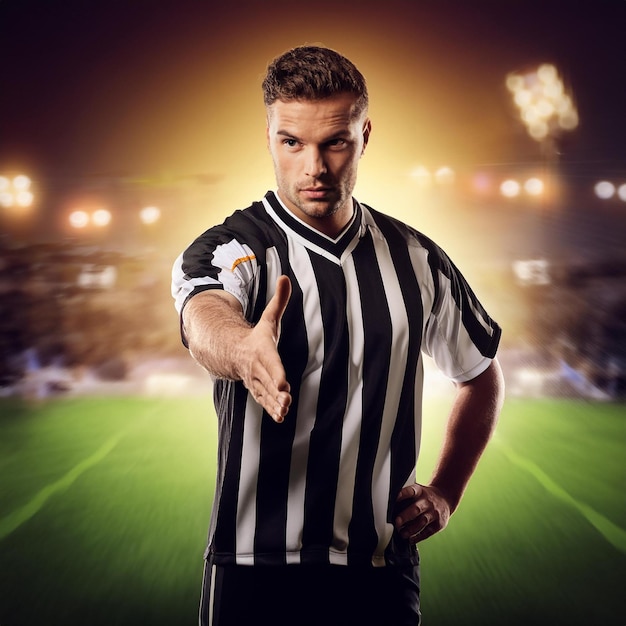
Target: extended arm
{"x": 227, "y": 346}
{"x": 472, "y": 420}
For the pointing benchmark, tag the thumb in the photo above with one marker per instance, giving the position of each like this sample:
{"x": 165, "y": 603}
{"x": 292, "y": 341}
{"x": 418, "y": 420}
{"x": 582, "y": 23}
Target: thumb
{"x": 276, "y": 306}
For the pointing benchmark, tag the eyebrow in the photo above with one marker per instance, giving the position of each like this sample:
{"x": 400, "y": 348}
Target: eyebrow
{"x": 343, "y": 134}
{"x": 284, "y": 133}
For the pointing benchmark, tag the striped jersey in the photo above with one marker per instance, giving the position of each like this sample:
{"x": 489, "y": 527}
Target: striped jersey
{"x": 321, "y": 486}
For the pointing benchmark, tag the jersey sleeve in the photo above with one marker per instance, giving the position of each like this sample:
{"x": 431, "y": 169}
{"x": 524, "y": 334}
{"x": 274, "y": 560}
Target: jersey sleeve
{"x": 460, "y": 336}
{"x": 217, "y": 259}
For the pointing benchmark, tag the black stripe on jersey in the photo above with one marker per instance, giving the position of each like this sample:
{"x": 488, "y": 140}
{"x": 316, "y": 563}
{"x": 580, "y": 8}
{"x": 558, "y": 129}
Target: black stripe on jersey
{"x": 234, "y": 395}
{"x": 277, "y": 439}
{"x": 485, "y": 341}
{"x": 325, "y": 440}
{"x": 197, "y": 259}
{"x": 403, "y": 452}
{"x": 273, "y": 488}
{"x": 377, "y": 353}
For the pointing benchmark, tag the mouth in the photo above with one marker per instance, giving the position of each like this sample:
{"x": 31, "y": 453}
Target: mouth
{"x": 315, "y": 192}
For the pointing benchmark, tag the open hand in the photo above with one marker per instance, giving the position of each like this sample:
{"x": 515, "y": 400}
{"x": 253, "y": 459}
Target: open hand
{"x": 262, "y": 372}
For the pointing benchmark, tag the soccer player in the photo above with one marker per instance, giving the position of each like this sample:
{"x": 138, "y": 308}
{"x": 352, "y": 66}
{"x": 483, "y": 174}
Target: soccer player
{"x": 311, "y": 311}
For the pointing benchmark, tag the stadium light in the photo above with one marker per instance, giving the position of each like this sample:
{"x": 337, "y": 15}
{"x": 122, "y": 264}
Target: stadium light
{"x": 15, "y": 191}
{"x": 534, "y": 187}
{"x": 544, "y": 106}
{"x": 150, "y": 215}
{"x": 510, "y": 188}
{"x": 101, "y": 218}
{"x": 80, "y": 218}
{"x": 425, "y": 178}
{"x": 604, "y": 189}
{"x": 444, "y": 175}
{"x": 422, "y": 176}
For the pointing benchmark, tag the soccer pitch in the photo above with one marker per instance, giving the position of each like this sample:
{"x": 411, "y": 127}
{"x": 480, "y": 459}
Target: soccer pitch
{"x": 105, "y": 503}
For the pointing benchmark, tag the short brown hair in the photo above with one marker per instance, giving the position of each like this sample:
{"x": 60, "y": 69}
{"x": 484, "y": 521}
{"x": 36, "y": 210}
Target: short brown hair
{"x": 313, "y": 73}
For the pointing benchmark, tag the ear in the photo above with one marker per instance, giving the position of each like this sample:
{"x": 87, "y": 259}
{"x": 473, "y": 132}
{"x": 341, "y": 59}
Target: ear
{"x": 268, "y": 113}
{"x": 367, "y": 129}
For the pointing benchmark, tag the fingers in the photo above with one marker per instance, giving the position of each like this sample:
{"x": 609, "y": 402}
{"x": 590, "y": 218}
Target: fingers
{"x": 267, "y": 380}
{"x": 276, "y": 306}
{"x": 274, "y": 398}
{"x": 422, "y": 512}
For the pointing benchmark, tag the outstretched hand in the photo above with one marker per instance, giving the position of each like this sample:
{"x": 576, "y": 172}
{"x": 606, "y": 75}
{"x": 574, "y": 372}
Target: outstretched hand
{"x": 262, "y": 372}
{"x": 424, "y": 511}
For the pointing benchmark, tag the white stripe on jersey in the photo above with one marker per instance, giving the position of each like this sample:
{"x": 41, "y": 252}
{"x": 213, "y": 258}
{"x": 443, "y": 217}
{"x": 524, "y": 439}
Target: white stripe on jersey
{"x": 234, "y": 277}
{"x": 307, "y": 403}
{"x": 352, "y": 420}
{"x": 400, "y": 341}
{"x": 246, "y": 509}
{"x": 447, "y": 355}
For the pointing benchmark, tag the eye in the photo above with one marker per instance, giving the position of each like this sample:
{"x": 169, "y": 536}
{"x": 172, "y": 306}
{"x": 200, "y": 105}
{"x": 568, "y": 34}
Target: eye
{"x": 338, "y": 143}
{"x": 291, "y": 143}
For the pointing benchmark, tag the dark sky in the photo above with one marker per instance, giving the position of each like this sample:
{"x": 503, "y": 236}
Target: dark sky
{"x": 155, "y": 89}
{"x": 88, "y": 86}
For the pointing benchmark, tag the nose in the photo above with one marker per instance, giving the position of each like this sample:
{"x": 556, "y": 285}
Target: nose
{"x": 315, "y": 164}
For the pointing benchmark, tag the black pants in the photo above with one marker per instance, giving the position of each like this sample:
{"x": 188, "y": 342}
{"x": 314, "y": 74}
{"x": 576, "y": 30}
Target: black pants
{"x": 309, "y": 595}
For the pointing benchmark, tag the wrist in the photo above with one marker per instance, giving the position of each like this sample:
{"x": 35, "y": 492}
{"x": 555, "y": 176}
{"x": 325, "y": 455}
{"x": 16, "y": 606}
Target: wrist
{"x": 449, "y": 492}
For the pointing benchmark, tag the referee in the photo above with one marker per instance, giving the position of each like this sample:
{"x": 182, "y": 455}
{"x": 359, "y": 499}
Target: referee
{"x": 312, "y": 312}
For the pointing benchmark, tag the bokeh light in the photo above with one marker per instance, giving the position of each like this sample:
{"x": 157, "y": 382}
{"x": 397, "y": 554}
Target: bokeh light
{"x": 544, "y": 106}
{"x": 79, "y": 219}
{"x": 510, "y": 188}
{"x": 604, "y": 189}
{"x": 534, "y": 186}
{"x": 101, "y": 217}
{"x": 422, "y": 176}
{"x": 21, "y": 182}
{"x": 444, "y": 175}
{"x": 150, "y": 215}
{"x": 15, "y": 191}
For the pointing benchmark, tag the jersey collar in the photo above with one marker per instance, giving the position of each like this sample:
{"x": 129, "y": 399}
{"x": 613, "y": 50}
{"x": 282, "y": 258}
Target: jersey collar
{"x": 313, "y": 238}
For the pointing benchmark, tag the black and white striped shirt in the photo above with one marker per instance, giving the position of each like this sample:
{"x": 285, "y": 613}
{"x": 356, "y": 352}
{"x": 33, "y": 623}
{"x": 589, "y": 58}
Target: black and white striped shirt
{"x": 321, "y": 486}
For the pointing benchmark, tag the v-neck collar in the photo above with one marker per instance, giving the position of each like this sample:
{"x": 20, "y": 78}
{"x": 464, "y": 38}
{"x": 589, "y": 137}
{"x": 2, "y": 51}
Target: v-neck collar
{"x": 309, "y": 236}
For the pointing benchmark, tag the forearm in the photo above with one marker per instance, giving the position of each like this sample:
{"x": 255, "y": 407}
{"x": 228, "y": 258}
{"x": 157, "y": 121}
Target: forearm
{"x": 215, "y": 330}
{"x": 471, "y": 423}
{"x": 227, "y": 346}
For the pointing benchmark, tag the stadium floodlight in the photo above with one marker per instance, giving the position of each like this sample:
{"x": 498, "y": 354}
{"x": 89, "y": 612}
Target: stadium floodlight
{"x": 15, "y": 191}
{"x": 101, "y": 218}
{"x": 21, "y": 182}
{"x": 510, "y": 188}
{"x": 534, "y": 187}
{"x": 422, "y": 176}
{"x": 545, "y": 107}
{"x": 444, "y": 175}
{"x": 150, "y": 215}
{"x": 604, "y": 189}
{"x": 79, "y": 219}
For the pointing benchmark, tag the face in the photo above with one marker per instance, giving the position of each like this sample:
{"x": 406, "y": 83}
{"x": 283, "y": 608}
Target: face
{"x": 316, "y": 146}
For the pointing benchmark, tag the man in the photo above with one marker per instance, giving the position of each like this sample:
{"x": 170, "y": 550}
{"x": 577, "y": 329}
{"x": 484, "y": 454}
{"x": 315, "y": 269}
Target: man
{"x": 311, "y": 311}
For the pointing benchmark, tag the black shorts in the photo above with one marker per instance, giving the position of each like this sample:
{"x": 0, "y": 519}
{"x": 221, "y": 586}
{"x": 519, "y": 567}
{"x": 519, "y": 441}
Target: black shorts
{"x": 309, "y": 595}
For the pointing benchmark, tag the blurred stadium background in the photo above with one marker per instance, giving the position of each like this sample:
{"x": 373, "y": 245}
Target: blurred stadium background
{"x": 513, "y": 159}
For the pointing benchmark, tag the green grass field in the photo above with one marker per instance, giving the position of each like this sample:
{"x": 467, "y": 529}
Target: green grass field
{"x": 104, "y": 506}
